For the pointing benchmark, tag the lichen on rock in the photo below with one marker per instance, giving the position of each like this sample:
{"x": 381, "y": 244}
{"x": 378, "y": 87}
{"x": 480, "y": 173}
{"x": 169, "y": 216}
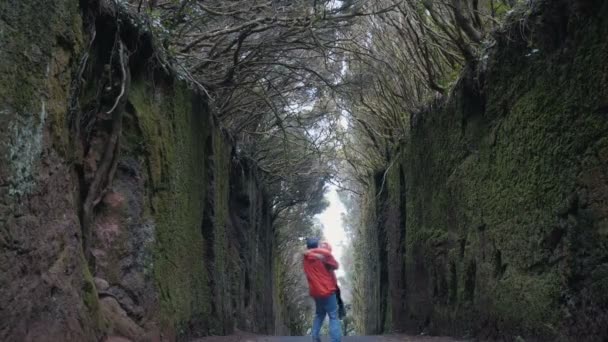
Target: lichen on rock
{"x": 24, "y": 151}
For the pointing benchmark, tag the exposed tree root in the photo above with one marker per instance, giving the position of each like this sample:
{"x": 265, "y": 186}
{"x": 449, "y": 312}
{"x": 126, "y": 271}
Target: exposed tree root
{"x": 109, "y": 161}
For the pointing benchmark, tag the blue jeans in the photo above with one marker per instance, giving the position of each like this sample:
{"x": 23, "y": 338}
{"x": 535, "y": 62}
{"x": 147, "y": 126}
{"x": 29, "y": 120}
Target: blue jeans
{"x": 327, "y": 306}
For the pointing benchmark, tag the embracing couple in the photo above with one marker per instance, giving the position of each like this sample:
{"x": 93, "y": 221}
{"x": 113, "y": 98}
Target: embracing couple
{"x": 319, "y": 266}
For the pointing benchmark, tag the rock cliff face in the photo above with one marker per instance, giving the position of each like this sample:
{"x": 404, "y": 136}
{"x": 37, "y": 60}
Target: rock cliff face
{"x": 123, "y": 208}
{"x": 493, "y": 220}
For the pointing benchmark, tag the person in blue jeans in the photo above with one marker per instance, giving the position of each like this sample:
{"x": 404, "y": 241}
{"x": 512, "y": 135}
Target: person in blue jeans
{"x": 319, "y": 265}
{"x": 327, "y": 306}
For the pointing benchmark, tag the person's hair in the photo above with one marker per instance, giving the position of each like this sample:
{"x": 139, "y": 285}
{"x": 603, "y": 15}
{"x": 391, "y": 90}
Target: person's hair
{"x": 312, "y": 243}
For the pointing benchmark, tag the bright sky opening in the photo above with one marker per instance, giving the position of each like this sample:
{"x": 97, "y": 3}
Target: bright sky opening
{"x": 333, "y": 227}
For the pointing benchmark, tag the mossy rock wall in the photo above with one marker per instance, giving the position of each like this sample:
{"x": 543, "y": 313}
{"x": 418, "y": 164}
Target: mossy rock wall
{"x": 46, "y": 290}
{"x": 210, "y": 254}
{"x": 184, "y": 237}
{"x": 379, "y": 299}
{"x": 182, "y": 240}
{"x": 506, "y": 188}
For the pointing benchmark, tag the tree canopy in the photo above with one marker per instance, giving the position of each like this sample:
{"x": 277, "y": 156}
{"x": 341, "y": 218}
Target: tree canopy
{"x": 314, "y": 92}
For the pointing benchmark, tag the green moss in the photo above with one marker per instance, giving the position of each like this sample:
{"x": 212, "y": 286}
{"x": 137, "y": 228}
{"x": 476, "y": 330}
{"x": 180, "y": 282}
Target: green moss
{"x": 90, "y": 297}
{"x": 501, "y": 9}
{"x": 200, "y": 262}
{"x": 492, "y": 234}
{"x": 174, "y": 136}
{"x": 34, "y": 82}
{"x": 536, "y": 294}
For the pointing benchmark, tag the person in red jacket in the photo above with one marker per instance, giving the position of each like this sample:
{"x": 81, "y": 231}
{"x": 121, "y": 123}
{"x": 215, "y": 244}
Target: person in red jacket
{"x": 319, "y": 266}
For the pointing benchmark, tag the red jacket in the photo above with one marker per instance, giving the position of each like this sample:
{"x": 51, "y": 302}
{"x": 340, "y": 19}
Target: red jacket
{"x": 319, "y": 265}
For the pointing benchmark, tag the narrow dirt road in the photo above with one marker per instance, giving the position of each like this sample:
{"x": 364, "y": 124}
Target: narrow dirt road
{"x": 395, "y": 338}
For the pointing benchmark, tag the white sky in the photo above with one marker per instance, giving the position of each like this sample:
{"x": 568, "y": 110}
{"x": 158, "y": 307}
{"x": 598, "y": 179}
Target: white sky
{"x": 333, "y": 228}
{"x": 331, "y": 218}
